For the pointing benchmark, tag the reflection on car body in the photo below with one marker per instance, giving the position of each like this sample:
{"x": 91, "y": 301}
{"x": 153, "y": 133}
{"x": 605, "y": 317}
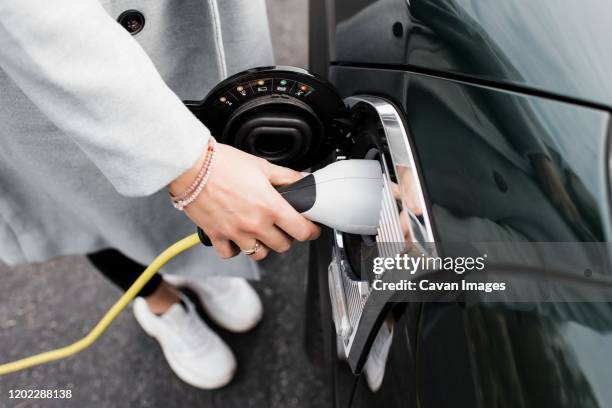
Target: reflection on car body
{"x": 507, "y": 107}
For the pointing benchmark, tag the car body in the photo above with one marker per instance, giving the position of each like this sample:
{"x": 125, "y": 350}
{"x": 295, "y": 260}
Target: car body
{"x": 504, "y": 110}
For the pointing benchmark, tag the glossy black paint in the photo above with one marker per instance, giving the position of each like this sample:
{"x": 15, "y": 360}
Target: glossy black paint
{"x": 399, "y": 389}
{"x": 508, "y": 106}
{"x": 465, "y": 135}
{"x": 560, "y": 47}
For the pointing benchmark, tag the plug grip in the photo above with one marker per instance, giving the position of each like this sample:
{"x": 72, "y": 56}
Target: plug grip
{"x": 301, "y": 195}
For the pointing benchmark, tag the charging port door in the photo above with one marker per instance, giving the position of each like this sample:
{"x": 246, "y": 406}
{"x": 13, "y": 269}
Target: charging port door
{"x": 358, "y": 310}
{"x": 284, "y": 114}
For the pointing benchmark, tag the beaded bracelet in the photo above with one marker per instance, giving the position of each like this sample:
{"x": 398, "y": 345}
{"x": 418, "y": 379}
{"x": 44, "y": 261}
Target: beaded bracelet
{"x": 198, "y": 178}
{"x": 188, "y": 196}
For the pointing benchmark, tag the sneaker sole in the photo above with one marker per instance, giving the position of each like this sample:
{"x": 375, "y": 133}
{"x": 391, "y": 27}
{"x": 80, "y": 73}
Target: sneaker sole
{"x": 178, "y": 371}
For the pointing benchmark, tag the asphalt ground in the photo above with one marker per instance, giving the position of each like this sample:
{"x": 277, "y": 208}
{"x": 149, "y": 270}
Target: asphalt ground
{"x": 47, "y": 305}
{"x": 59, "y": 301}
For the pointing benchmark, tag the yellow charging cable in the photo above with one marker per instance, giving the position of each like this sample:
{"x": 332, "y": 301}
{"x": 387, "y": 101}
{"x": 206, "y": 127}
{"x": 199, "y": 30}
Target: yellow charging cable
{"x": 80, "y": 345}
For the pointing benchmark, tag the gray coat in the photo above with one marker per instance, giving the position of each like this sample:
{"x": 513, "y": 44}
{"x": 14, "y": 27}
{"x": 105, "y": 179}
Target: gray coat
{"x": 92, "y": 127}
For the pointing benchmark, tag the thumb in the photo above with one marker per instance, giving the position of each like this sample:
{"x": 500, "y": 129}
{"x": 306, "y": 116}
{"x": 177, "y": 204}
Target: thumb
{"x": 280, "y": 176}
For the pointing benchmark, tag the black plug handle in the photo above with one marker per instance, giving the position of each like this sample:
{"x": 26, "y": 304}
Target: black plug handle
{"x": 204, "y": 238}
{"x": 301, "y": 195}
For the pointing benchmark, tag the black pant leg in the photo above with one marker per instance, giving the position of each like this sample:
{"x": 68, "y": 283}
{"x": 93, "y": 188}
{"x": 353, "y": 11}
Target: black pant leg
{"x": 122, "y": 271}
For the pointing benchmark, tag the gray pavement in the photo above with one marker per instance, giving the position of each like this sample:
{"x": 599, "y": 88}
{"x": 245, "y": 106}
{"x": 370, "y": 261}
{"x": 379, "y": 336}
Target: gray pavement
{"x": 47, "y": 305}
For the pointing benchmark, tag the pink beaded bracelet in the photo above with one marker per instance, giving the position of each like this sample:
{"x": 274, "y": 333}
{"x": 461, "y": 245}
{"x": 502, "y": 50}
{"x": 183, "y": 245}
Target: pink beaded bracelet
{"x": 188, "y": 196}
{"x": 197, "y": 180}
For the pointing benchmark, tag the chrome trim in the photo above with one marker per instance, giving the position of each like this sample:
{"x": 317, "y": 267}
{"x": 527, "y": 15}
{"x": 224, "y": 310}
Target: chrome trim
{"x": 340, "y": 311}
{"x": 349, "y": 296}
{"x": 400, "y": 150}
{"x": 390, "y": 238}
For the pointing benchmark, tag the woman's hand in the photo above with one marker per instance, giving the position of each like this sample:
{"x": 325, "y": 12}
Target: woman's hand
{"x": 239, "y": 204}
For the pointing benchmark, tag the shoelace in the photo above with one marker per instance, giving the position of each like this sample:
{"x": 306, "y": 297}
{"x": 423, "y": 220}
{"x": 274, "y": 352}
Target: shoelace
{"x": 191, "y": 332}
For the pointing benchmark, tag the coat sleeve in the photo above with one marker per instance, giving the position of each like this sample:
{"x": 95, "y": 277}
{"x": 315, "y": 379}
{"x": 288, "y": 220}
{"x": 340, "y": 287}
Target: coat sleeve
{"x": 96, "y": 84}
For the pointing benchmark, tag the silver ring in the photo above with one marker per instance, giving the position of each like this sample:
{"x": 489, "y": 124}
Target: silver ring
{"x": 254, "y": 250}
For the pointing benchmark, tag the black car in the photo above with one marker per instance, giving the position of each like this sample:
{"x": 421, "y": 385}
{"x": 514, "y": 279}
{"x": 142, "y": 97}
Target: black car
{"x": 495, "y": 116}
{"x": 491, "y": 124}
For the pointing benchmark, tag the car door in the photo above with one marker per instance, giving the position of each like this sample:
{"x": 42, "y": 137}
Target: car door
{"x": 480, "y": 191}
{"x": 500, "y": 165}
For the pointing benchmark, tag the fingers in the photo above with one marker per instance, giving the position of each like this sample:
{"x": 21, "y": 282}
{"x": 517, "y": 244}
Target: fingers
{"x": 240, "y": 205}
{"x": 280, "y": 176}
{"x": 294, "y": 224}
{"x": 275, "y": 239}
{"x": 247, "y": 244}
{"x": 396, "y": 191}
{"x": 287, "y": 219}
{"x": 224, "y": 248}
{"x": 405, "y": 226}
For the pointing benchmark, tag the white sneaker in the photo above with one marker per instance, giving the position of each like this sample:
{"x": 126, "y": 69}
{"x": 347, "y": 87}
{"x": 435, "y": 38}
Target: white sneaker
{"x": 374, "y": 367}
{"x": 231, "y": 302}
{"x": 194, "y": 352}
